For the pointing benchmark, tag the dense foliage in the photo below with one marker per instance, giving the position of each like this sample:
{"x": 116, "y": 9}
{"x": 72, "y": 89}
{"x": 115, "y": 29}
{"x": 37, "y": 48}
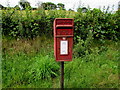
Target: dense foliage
{"x": 29, "y": 24}
{"x": 28, "y": 58}
{"x": 103, "y": 25}
{"x": 31, "y": 64}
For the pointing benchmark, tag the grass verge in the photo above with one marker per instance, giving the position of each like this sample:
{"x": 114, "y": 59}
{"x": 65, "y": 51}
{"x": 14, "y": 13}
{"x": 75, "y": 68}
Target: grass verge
{"x": 31, "y": 64}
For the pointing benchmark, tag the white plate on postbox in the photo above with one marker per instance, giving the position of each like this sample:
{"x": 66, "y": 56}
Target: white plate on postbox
{"x": 63, "y": 47}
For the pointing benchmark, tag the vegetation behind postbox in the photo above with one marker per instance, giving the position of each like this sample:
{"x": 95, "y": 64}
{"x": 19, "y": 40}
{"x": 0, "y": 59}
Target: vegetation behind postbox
{"x": 29, "y": 24}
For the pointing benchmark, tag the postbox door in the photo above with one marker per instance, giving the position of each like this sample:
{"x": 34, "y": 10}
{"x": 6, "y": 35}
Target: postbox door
{"x": 64, "y": 48}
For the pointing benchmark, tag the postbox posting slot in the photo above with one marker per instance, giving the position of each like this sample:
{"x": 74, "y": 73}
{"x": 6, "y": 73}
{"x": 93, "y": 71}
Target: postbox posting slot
{"x": 67, "y": 31}
{"x": 64, "y": 25}
{"x": 64, "y": 36}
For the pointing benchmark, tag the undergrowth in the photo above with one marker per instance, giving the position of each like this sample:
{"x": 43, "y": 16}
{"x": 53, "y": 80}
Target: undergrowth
{"x": 30, "y": 64}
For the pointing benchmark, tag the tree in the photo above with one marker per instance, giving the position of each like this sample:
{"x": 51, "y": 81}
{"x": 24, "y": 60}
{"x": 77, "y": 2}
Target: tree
{"x": 119, "y": 5}
{"x": 34, "y": 8}
{"x": 49, "y": 6}
{"x": 17, "y": 7}
{"x": 25, "y": 4}
{"x": 44, "y": 5}
{"x": 61, "y": 6}
{"x": 83, "y": 9}
{"x": 1, "y": 7}
{"x": 70, "y": 9}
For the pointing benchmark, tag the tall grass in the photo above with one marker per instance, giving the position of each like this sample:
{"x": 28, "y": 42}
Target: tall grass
{"x": 31, "y": 64}
{"x": 23, "y": 70}
{"x": 0, "y": 49}
{"x": 93, "y": 71}
{"x": 28, "y": 65}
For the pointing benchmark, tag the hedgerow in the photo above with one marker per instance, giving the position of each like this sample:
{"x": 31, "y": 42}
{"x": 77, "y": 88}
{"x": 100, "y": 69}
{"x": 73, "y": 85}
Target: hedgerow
{"x": 29, "y": 24}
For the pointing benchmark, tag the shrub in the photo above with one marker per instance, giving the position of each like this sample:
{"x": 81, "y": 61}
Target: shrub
{"x": 82, "y": 48}
{"x": 29, "y": 24}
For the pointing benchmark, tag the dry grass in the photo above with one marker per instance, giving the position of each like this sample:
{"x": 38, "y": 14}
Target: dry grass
{"x": 27, "y": 46}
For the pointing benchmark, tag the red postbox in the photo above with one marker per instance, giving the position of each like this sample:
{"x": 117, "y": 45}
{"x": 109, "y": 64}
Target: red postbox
{"x": 63, "y": 39}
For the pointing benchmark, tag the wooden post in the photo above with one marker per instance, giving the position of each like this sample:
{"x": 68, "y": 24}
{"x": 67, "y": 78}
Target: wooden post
{"x": 62, "y": 76}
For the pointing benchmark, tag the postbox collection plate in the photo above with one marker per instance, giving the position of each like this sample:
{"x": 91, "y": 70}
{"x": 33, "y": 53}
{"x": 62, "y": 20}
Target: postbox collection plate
{"x": 63, "y": 47}
{"x": 63, "y": 39}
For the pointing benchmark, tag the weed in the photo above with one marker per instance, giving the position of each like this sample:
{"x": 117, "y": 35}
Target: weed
{"x": 39, "y": 69}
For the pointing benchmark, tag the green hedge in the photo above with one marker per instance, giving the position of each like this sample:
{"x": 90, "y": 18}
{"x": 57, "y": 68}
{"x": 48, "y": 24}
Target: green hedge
{"x": 29, "y": 24}
{"x": 103, "y": 25}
